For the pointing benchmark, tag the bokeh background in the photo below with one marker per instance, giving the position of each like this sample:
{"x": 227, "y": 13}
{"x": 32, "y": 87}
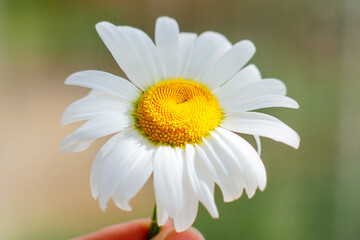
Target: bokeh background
{"x": 312, "y": 45}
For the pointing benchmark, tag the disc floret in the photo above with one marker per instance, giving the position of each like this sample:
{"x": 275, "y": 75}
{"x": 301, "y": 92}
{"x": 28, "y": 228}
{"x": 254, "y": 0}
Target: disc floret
{"x": 177, "y": 111}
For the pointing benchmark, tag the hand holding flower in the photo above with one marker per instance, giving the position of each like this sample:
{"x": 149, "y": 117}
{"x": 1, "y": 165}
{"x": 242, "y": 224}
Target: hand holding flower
{"x": 138, "y": 230}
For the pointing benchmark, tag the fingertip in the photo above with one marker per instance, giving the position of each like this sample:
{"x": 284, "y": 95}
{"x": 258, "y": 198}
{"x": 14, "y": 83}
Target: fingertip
{"x": 171, "y": 234}
{"x": 196, "y": 234}
{"x": 167, "y": 225}
{"x": 137, "y": 229}
{"x": 190, "y": 234}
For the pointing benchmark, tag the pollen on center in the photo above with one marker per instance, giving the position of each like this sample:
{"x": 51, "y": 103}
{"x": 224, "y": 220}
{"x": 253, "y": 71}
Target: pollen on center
{"x": 177, "y": 111}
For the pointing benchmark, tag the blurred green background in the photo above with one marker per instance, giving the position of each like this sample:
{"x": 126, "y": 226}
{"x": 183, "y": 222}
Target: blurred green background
{"x": 312, "y": 45}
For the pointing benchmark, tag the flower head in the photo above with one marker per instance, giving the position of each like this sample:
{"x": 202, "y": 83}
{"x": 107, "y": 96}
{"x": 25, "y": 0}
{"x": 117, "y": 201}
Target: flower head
{"x": 175, "y": 119}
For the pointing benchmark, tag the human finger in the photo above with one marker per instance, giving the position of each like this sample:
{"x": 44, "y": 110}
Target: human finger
{"x": 171, "y": 234}
{"x": 136, "y": 230}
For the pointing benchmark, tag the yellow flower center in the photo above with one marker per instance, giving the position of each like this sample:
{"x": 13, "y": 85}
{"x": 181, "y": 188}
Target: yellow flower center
{"x": 177, "y": 112}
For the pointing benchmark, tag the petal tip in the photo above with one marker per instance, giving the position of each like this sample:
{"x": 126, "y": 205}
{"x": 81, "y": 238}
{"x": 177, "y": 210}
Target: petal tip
{"x": 180, "y": 228}
{"x": 262, "y": 187}
{"x": 248, "y": 44}
{"x": 68, "y": 80}
{"x": 165, "y": 18}
{"x": 250, "y": 194}
{"x": 103, "y": 205}
{"x": 103, "y": 27}
{"x": 123, "y": 205}
{"x": 64, "y": 119}
{"x": 296, "y": 144}
{"x": 103, "y": 208}
{"x": 94, "y": 193}
{"x": 61, "y": 150}
{"x": 101, "y": 24}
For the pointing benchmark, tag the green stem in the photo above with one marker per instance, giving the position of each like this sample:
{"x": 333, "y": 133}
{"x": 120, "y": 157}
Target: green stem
{"x": 154, "y": 227}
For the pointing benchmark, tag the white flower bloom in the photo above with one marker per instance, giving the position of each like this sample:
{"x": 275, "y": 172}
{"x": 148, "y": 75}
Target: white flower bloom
{"x": 175, "y": 119}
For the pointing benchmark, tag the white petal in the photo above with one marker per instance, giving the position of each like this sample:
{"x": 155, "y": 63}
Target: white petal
{"x": 228, "y": 175}
{"x": 200, "y": 180}
{"x": 208, "y": 48}
{"x": 186, "y": 216}
{"x": 186, "y": 43}
{"x": 205, "y": 163}
{"x": 245, "y": 76}
{"x": 76, "y": 146}
{"x": 95, "y": 105}
{"x": 94, "y": 92}
{"x": 105, "y": 82}
{"x": 261, "y": 124}
{"x": 168, "y": 178}
{"x": 124, "y": 51}
{"x": 161, "y": 214}
{"x": 147, "y": 52}
{"x": 253, "y": 168}
{"x": 135, "y": 177}
{"x": 226, "y": 67}
{"x": 261, "y": 102}
{"x": 258, "y": 144}
{"x": 251, "y": 91}
{"x": 99, "y": 127}
{"x": 99, "y": 161}
{"x": 167, "y": 43}
{"x": 127, "y": 155}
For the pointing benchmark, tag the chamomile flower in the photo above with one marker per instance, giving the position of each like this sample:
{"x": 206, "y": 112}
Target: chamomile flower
{"x": 176, "y": 119}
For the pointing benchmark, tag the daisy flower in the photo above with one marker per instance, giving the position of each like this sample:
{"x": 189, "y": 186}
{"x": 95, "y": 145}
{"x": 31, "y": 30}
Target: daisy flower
{"x": 176, "y": 119}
